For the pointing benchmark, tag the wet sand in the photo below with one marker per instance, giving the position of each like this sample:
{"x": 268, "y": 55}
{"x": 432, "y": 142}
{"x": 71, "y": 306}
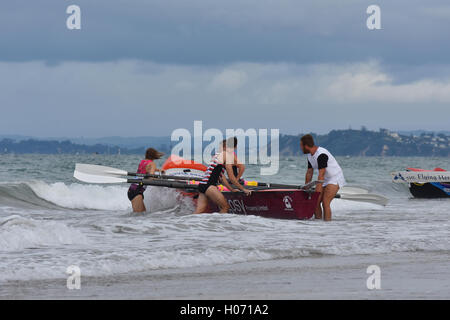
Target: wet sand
{"x": 416, "y": 275}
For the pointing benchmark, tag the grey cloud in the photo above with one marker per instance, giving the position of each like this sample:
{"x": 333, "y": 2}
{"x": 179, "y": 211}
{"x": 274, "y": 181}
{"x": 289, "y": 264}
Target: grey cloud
{"x": 135, "y": 98}
{"x": 216, "y": 32}
{"x": 147, "y": 67}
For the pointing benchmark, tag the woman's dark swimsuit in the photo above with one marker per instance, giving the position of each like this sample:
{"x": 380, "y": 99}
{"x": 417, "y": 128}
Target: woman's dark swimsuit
{"x": 135, "y": 190}
{"x": 138, "y": 189}
{"x": 212, "y": 175}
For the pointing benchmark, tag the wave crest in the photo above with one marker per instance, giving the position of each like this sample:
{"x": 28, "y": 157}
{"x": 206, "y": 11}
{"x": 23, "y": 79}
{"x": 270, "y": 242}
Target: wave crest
{"x": 18, "y": 233}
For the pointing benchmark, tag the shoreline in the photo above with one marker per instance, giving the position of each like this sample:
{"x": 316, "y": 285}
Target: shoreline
{"x": 412, "y": 275}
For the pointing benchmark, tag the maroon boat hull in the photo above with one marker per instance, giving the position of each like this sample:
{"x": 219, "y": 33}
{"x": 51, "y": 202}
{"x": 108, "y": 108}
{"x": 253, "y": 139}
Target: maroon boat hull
{"x": 279, "y": 204}
{"x": 271, "y": 203}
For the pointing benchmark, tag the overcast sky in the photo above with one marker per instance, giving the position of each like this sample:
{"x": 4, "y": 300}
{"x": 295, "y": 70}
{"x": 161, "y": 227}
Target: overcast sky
{"x": 141, "y": 67}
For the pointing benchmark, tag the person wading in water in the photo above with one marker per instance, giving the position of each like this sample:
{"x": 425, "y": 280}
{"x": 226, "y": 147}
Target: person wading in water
{"x": 329, "y": 171}
{"x": 208, "y": 185}
{"x": 146, "y": 166}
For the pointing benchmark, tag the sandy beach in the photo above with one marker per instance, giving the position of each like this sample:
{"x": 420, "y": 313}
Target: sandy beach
{"x": 403, "y": 276}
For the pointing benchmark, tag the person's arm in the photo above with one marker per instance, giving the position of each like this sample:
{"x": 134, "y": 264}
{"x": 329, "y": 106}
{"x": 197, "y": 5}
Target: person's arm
{"x": 225, "y": 182}
{"x": 229, "y": 168}
{"x": 309, "y": 173}
{"x": 234, "y": 181}
{"x": 241, "y": 169}
{"x": 240, "y": 166}
{"x": 321, "y": 177}
{"x": 322, "y": 162}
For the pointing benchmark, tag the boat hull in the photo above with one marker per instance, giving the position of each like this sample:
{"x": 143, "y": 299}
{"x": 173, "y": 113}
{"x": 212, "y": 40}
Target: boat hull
{"x": 279, "y": 204}
{"x": 271, "y": 203}
{"x": 429, "y": 190}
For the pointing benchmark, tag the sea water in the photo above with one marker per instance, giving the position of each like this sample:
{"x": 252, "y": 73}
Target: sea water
{"x": 49, "y": 221}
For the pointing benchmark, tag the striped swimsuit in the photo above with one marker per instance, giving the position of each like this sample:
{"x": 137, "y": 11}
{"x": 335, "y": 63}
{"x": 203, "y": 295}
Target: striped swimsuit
{"x": 212, "y": 175}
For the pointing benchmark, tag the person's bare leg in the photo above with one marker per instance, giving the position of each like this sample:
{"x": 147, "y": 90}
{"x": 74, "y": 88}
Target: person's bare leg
{"x": 217, "y": 197}
{"x": 329, "y": 192}
{"x": 202, "y": 203}
{"x": 138, "y": 204}
{"x": 318, "y": 211}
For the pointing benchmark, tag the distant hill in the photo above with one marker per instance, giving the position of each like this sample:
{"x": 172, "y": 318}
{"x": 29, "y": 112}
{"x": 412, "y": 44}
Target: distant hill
{"x": 420, "y": 132}
{"x": 123, "y": 142}
{"x": 373, "y": 143}
{"x": 339, "y": 142}
{"x": 61, "y": 147}
{"x": 15, "y": 137}
{"x": 126, "y": 142}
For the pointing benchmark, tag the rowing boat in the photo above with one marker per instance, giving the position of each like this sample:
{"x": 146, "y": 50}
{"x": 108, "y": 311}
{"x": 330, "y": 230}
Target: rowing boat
{"x": 269, "y": 203}
{"x": 425, "y": 183}
{"x": 271, "y": 200}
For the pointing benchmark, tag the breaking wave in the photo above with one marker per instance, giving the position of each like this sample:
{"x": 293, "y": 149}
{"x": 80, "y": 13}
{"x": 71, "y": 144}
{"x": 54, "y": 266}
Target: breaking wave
{"x": 19, "y": 233}
{"x": 58, "y": 195}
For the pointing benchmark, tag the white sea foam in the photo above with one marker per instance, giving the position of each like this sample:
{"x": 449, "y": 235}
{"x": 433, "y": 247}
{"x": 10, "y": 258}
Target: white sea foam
{"x": 40, "y": 242}
{"x": 161, "y": 242}
{"x": 18, "y": 233}
{"x": 98, "y": 197}
{"x": 159, "y": 199}
{"x": 82, "y": 196}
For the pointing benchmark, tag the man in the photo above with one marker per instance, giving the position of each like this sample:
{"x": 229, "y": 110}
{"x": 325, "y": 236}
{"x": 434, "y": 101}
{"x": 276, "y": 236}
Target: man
{"x": 329, "y": 171}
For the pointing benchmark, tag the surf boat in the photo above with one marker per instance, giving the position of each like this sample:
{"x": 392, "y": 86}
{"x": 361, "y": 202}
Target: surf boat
{"x": 270, "y": 200}
{"x": 425, "y": 183}
{"x": 264, "y": 201}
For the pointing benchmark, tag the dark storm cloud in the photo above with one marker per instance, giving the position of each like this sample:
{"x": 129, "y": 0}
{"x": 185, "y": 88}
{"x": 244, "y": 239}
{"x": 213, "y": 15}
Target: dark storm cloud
{"x": 140, "y": 67}
{"x": 215, "y": 32}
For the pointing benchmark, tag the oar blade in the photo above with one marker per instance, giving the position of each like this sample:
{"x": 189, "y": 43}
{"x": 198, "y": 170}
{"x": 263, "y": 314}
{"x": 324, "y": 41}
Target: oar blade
{"x": 91, "y": 178}
{"x": 353, "y": 190}
{"x": 93, "y": 169}
{"x": 365, "y": 197}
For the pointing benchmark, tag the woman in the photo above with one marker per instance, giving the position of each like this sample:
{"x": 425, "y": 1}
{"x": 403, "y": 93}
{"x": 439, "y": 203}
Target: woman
{"x": 208, "y": 185}
{"x": 146, "y": 166}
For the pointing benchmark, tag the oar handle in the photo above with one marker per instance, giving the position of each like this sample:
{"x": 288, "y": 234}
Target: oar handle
{"x": 163, "y": 176}
{"x": 248, "y": 183}
{"x": 162, "y": 183}
{"x": 286, "y": 186}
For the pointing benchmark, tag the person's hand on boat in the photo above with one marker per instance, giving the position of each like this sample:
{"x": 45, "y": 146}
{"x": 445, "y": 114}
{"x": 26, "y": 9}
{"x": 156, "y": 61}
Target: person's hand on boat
{"x": 247, "y": 192}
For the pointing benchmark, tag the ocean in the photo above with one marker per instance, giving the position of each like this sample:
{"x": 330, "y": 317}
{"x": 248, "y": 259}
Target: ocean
{"x": 49, "y": 221}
